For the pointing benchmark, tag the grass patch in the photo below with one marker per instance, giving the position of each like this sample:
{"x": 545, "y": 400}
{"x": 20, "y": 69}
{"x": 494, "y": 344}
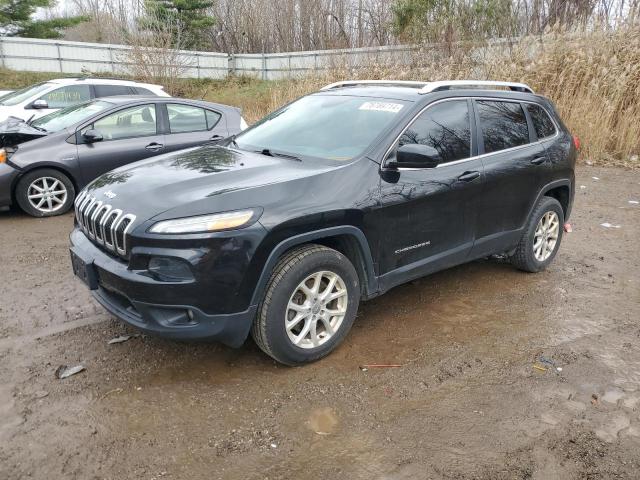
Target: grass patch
{"x": 593, "y": 78}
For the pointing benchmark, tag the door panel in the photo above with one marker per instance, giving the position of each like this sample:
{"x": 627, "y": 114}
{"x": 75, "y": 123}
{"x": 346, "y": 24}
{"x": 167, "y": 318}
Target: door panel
{"x": 512, "y": 168}
{"x": 430, "y": 214}
{"x": 129, "y": 135}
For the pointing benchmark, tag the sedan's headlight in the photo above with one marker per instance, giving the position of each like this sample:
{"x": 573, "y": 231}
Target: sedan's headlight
{"x": 205, "y": 223}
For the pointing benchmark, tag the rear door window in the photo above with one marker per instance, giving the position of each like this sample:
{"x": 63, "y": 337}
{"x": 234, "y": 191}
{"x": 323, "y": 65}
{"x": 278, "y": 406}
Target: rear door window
{"x": 139, "y": 121}
{"x": 445, "y": 127}
{"x": 67, "y": 96}
{"x": 111, "y": 90}
{"x": 185, "y": 118}
{"x": 503, "y": 125}
{"x": 542, "y": 123}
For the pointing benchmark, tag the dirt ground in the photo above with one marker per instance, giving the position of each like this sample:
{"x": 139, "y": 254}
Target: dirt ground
{"x": 504, "y": 375}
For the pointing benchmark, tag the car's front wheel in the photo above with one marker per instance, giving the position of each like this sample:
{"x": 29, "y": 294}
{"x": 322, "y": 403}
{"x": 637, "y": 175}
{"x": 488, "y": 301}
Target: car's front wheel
{"x": 45, "y": 193}
{"x": 541, "y": 238}
{"x": 310, "y": 303}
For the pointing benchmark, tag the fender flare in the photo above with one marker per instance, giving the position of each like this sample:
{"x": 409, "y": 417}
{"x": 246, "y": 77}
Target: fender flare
{"x": 565, "y": 182}
{"x": 276, "y": 253}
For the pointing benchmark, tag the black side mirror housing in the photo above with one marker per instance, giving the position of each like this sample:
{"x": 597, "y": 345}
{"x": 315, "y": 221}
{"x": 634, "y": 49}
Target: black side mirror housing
{"x": 415, "y": 155}
{"x": 92, "y": 136}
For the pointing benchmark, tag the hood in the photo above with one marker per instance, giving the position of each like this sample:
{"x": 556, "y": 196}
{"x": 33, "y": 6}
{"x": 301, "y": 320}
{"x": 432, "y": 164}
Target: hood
{"x": 197, "y": 181}
{"x": 14, "y": 131}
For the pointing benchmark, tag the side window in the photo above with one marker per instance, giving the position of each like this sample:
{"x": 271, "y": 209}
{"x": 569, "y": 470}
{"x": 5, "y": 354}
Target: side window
{"x": 67, "y": 96}
{"x": 185, "y": 118}
{"x": 111, "y": 90}
{"x": 542, "y": 124}
{"x": 445, "y": 127}
{"x": 503, "y": 125}
{"x": 212, "y": 119}
{"x": 137, "y": 121}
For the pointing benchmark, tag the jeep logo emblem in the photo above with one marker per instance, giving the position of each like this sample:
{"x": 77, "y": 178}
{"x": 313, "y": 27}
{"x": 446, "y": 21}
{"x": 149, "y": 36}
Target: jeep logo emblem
{"x": 109, "y": 194}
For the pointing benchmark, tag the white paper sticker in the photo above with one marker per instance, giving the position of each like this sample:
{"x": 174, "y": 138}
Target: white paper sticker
{"x": 382, "y": 106}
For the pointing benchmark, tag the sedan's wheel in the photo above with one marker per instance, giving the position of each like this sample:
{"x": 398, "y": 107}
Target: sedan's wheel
{"x": 541, "y": 237}
{"x": 45, "y": 193}
{"x": 310, "y": 303}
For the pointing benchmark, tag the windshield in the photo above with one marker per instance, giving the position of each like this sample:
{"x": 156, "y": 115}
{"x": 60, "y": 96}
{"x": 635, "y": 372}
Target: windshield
{"x": 19, "y": 96}
{"x": 332, "y": 127}
{"x": 66, "y": 117}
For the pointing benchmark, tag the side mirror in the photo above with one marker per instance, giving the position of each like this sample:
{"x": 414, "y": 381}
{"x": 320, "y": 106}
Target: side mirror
{"x": 414, "y": 155}
{"x": 39, "y": 104}
{"x": 92, "y": 136}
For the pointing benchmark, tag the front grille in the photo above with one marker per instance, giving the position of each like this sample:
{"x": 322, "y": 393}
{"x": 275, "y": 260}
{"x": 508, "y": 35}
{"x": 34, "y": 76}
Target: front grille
{"x": 103, "y": 224}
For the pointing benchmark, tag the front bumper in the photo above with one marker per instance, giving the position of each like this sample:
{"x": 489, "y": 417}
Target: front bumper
{"x": 8, "y": 175}
{"x": 125, "y": 293}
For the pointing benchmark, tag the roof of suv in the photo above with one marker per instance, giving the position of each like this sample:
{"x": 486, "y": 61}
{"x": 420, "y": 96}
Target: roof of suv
{"x": 410, "y": 90}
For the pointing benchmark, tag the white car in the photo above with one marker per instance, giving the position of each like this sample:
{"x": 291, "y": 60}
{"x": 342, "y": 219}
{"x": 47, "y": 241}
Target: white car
{"x": 5, "y": 92}
{"x": 46, "y": 97}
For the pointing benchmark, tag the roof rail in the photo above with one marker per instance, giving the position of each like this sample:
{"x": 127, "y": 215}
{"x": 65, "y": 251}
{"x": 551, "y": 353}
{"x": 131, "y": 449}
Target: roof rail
{"x": 452, "y": 84}
{"x": 353, "y": 83}
{"x": 428, "y": 87}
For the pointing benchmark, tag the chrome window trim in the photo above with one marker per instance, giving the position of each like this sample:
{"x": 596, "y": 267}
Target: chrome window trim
{"x": 463, "y": 160}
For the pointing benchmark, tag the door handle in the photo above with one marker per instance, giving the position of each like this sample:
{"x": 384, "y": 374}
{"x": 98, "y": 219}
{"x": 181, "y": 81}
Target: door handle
{"x": 539, "y": 160}
{"x": 217, "y": 137}
{"x": 154, "y": 147}
{"x": 469, "y": 176}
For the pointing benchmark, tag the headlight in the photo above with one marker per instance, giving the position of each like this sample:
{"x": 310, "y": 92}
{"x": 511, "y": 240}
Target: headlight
{"x": 205, "y": 223}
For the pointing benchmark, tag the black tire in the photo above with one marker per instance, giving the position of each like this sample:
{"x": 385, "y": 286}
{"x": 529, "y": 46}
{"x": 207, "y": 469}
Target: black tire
{"x": 22, "y": 192}
{"x": 524, "y": 258}
{"x": 269, "y": 330}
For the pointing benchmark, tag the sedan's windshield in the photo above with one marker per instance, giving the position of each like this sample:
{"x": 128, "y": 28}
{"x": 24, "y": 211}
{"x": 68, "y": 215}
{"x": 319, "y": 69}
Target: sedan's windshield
{"x": 325, "y": 126}
{"x": 19, "y": 96}
{"x": 66, "y": 117}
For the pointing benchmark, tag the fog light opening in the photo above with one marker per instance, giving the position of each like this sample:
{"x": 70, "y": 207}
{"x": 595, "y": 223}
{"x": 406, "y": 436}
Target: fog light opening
{"x": 169, "y": 269}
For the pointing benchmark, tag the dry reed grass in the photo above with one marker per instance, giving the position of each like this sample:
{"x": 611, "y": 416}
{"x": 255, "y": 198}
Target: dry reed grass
{"x": 594, "y": 80}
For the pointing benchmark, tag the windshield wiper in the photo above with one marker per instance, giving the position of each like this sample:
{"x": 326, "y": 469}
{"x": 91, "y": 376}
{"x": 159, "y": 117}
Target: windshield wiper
{"x": 270, "y": 153}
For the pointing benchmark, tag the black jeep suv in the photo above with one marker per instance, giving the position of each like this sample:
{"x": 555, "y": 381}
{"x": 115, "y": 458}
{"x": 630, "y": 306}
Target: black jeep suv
{"x": 336, "y": 197}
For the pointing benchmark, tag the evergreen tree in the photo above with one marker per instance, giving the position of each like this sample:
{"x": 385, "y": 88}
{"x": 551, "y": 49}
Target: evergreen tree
{"x": 187, "y": 18}
{"x": 16, "y": 19}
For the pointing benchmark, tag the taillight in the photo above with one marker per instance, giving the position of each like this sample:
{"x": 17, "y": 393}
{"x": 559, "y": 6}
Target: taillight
{"x": 576, "y": 142}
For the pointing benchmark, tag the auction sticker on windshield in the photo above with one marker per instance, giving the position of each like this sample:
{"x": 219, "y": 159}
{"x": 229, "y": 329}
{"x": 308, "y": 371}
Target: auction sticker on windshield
{"x": 381, "y": 106}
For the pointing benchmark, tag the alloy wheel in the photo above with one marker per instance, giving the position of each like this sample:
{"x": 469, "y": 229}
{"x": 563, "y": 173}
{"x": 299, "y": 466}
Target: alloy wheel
{"x": 47, "y": 194}
{"x": 546, "y": 236}
{"x": 316, "y": 309}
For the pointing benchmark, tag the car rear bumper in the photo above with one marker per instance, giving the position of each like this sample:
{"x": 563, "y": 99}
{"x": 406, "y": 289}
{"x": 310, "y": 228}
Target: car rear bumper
{"x": 8, "y": 176}
{"x": 125, "y": 294}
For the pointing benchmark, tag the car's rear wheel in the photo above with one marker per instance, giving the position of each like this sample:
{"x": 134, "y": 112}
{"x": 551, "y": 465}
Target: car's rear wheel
{"x": 309, "y": 306}
{"x": 541, "y": 238}
{"x": 45, "y": 193}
